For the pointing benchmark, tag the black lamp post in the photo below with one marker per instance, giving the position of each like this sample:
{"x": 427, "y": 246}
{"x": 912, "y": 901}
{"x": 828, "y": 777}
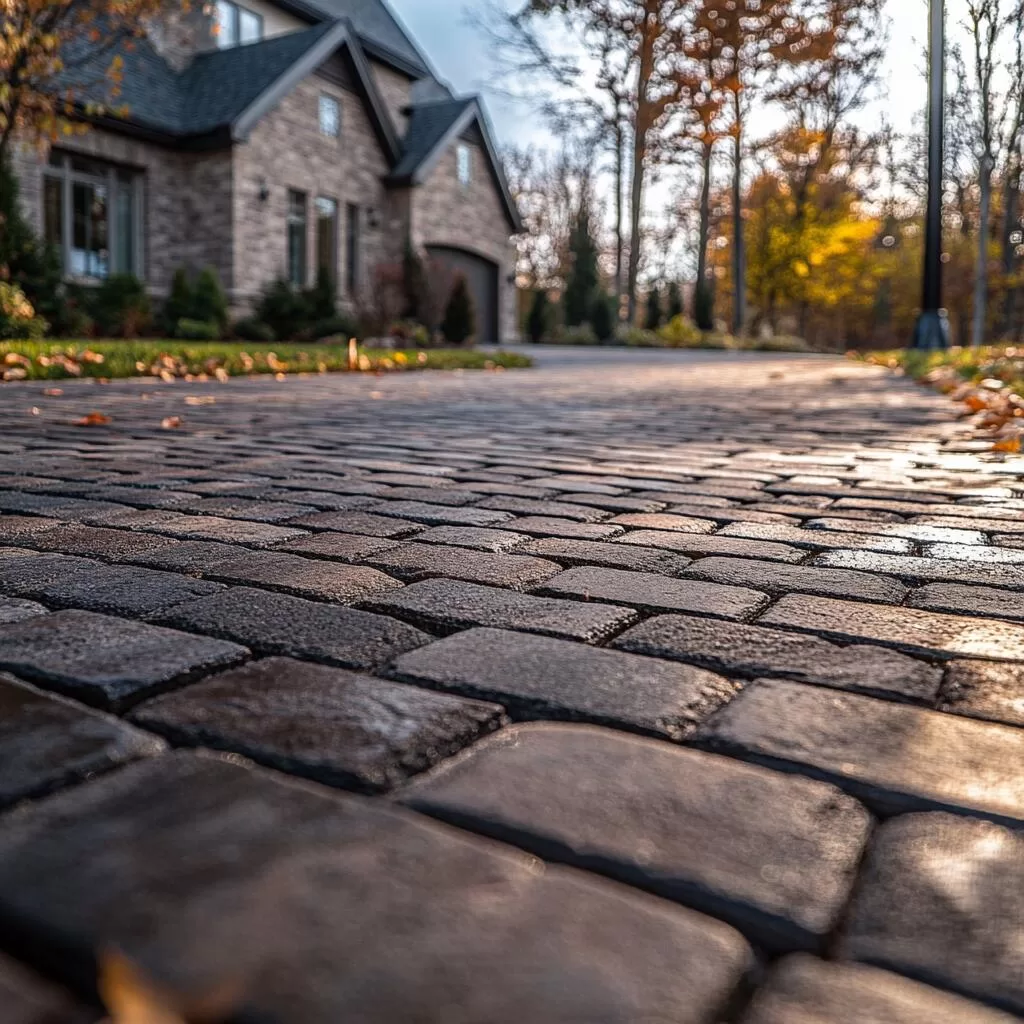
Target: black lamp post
{"x": 932, "y": 329}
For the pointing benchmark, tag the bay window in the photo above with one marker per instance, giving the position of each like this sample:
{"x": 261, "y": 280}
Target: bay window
{"x": 92, "y": 214}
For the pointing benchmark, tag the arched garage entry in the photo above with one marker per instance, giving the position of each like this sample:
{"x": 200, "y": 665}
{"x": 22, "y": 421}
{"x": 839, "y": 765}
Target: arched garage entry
{"x": 481, "y": 275}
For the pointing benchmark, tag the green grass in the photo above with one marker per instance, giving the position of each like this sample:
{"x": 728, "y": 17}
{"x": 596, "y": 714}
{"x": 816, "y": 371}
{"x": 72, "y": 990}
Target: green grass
{"x": 61, "y": 360}
{"x": 1004, "y": 363}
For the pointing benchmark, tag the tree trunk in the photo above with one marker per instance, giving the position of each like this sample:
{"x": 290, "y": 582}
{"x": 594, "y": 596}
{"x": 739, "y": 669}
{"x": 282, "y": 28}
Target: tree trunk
{"x": 635, "y": 212}
{"x": 705, "y": 218}
{"x": 619, "y": 161}
{"x": 981, "y": 270}
{"x": 739, "y": 254}
{"x": 1011, "y": 200}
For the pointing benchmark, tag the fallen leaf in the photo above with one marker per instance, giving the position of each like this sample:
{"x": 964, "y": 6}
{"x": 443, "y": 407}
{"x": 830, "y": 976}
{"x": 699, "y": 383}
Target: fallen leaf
{"x": 200, "y": 400}
{"x": 53, "y": 392}
{"x": 1008, "y": 445}
{"x": 975, "y": 403}
{"x": 170, "y": 422}
{"x": 34, "y": 410}
{"x": 93, "y": 419}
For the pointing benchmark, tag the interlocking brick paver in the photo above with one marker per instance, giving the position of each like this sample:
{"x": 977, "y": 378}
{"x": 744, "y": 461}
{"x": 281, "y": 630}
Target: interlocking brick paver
{"x": 14, "y": 609}
{"x": 230, "y": 531}
{"x": 366, "y": 523}
{"x": 926, "y": 570}
{"x": 894, "y": 757}
{"x": 324, "y": 723}
{"x": 699, "y": 545}
{"x": 440, "y": 515}
{"x": 327, "y": 907}
{"x": 952, "y": 597}
{"x": 274, "y": 623}
{"x": 98, "y": 542}
{"x": 414, "y": 561}
{"x": 558, "y": 509}
{"x": 17, "y": 529}
{"x": 981, "y": 689}
{"x": 771, "y": 854}
{"x": 775, "y": 578}
{"x": 920, "y": 632}
{"x": 342, "y": 547}
{"x": 476, "y": 537}
{"x": 550, "y": 526}
{"x": 817, "y": 539}
{"x": 253, "y": 511}
{"x": 602, "y": 553}
{"x": 736, "y": 649}
{"x": 108, "y": 661}
{"x": 447, "y": 606}
{"x": 911, "y": 531}
{"x": 651, "y": 592}
{"x": 665, "y": 521}
{"x": 941, "y": 899}
{"x": 47, "y": 742}
{"x": 541, "y": 677}
{"x": 975, "y": 553}
{"x": 803, "y": 990}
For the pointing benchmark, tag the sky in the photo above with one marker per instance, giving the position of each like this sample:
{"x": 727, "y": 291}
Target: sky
{"x": 442, "y": 29}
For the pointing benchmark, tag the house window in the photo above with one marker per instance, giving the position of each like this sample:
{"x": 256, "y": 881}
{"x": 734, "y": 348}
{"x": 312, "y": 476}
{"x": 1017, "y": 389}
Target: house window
{"x": 330, "y": 116}
{"x": 236, "y": 25}
{"x": 352, "y": 247}
{"x": 464, "y": 162}
{"x": 92, "y": 214}
{"x": 327, "y": 236}
{"x": 297, "y": 238}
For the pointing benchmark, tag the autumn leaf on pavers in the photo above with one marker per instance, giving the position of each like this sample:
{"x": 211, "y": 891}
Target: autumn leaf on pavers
{"x": 93, "y": 419}
{"x": 200, "y": 400}
{"x": 133, "y": 998}
{"x": 53, "y": 392}
{"x": 975, "y": 403}
{"x": 15, "y": 359}
{"x": 1008, "y": 445}
{"x": 171, "y": 422}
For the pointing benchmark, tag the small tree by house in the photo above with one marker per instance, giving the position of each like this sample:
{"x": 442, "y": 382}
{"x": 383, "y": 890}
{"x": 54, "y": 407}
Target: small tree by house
{"x": 654, "y": 318}
{"x": 673, "y": 301}
{"x": 704, "y": 306}
{"x": 602, "y": 319}
{"x": 538, "y": 321}
{"x": 459, "y": 323}
{"x": 209, "y": 304}
{"x": 415, "y": 274}
{"x": 582, "y": 279}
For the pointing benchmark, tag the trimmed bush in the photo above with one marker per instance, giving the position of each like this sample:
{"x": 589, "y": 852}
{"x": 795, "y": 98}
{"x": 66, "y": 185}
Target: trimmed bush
{"x": 249, "y": 328}
{"x": 459, "y": 323}
{"x": 580, "y": 335}
{"x": 322, "y": 298}
{"x": 179, "y": 302}
{"x": 674, "y": 301}
{"x": 120, "y": 307}
{"x": 332, "y": 327}
{"x": 538, "y": 322}
{"x": 284, "y": 309}
{"x": 18, "y": 318}
{"x": 602, "y": 319}
{"x": 197, "y": 330}
{"x": 638, "y": 337}
{"x": 680, "y": 332}
{"x": 208, "y": 301}
{"x": 654, "y": 318}
{"x": 704, "y": 306}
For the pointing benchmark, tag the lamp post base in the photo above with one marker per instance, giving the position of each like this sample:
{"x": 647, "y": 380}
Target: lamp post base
{"x": 931, "y": 332}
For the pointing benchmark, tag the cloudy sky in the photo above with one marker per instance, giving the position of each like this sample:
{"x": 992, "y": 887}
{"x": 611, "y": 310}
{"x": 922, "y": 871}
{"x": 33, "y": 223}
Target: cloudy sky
{"x": 442, "y": 29}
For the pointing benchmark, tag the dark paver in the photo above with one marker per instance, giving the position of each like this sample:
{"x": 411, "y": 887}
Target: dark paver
{"x": 941, "y": 899}
{"x": 476, "y": 537}
{"x": 47, "y": 742}
{"x": 107, "y": 661}
{"x": 566, "y": 551}
{"x": 230, "y": 531}
{"x": 912, "y": 531}
{"x": 699, "y": 545}
{"x": 18, "y": 529}
{"x": 804, "y": 990}
{"x": 817, "y": 539}
{"x": 925, "y": 570}
{"x": 14, "y": 609}
{"x": 440, "y": 515}
{"x": 981, "y": 689}
{"x": 28, "y": 573}
{"x": 664, "y": 521}
{"x": 98, "y": 542}
{"x": 651, "y": 592}
{"x": 27, "y": 998}
{"x": 923, "y": 632}
{"x": 894, "y": 757}
{"x": 324, "y": 907}
{"x": 341, "y": 547}
{"x": 359, "y": 522}
{"x": 774, "y": 578}
{"x": 550, "y": 526}
{"x": 736, "y": 649}
{"x": 610, "y": 504}
{"x": 985, "y": 555}
{"x": 771, "y": 854}
{"x": 558, "y": 509}
{"x": 963, "y": 600}
{"x": 541, "y": 677}
{"x": 305, "y": 577}
{"x": 253, "y": 511}
{"x": 414, "y": 561}
{"x": 281, "y": 624}
{"x": 325, "y": 723}
{"x": 447, "y": 606}
{"x": 192, "y": 557}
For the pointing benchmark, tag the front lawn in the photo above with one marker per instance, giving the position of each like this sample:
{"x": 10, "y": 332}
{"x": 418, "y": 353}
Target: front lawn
{"x": 170, "y": 360}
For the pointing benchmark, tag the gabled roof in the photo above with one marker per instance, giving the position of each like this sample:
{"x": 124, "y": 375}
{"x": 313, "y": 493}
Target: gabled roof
{"x": 432, "y": 128}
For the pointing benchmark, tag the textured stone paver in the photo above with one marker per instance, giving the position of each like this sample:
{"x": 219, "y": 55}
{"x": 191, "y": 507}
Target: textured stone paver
{"x": 772, "y": 854}
{"x": 47, "y": 742}
{"x": 327, "y": 908}
{"x": 941, "y": 899}
{"x": 798, "y": 561}
{"x": 325, "y": 723}
{"x": 540, "y": 677}
{"x": 894, "y": 757}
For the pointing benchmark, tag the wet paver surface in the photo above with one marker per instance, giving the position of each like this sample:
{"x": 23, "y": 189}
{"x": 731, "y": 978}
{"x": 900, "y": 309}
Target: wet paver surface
{"x": 636, "y": 687}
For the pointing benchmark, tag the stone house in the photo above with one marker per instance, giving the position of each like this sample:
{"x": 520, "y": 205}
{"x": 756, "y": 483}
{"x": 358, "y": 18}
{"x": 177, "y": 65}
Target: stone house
{"x": 269, "y": 138}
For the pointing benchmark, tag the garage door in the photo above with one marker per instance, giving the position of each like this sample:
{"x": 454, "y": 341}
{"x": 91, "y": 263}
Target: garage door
{"x": 482, "y": 277}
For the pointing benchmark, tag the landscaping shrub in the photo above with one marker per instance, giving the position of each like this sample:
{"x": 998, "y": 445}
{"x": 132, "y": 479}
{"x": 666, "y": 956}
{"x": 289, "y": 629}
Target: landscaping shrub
{"x": 120, "y": 307}
{"x": 416, "y": 285}
{"x": 653, "y": 318}
{"x": 638, "y": 337}
{"x": 777, "y": 343}
{"x": 674, "y": 301}
{"x": 197, "y": 330}
{"x": 459, "y": 323}
{"x": 581, "y": 335}
{"x": 704, "y": 306}
{"x": 17, "y": 316}
{"x": 332, "y": 327}
{"x": 208, "y": 301}
{"x": 284, "y": 309}
{"x": 538, "y": 322}
{"x": 602, "y": 317}
{"x": 179, "y": 301}
{"x": 409, "y": 332}
{"x": 249, "y": 328}
{"x": 681, "y": 332}
{"x": 322, "y": 298}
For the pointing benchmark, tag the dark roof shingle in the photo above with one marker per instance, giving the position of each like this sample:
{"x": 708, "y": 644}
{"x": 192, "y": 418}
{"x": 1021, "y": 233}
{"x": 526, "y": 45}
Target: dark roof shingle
{"x": 428, "y": 125}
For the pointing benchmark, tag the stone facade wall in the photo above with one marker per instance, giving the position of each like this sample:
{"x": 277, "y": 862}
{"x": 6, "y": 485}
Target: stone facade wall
{"x": 186, "y": 207}
{"x": 395, "y": 89}
{"x": 286, "y": 151}
{"x": 444, "y": 212}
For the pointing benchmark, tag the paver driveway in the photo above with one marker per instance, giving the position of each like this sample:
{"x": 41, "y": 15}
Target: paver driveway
{"x": 639, "y": 687}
